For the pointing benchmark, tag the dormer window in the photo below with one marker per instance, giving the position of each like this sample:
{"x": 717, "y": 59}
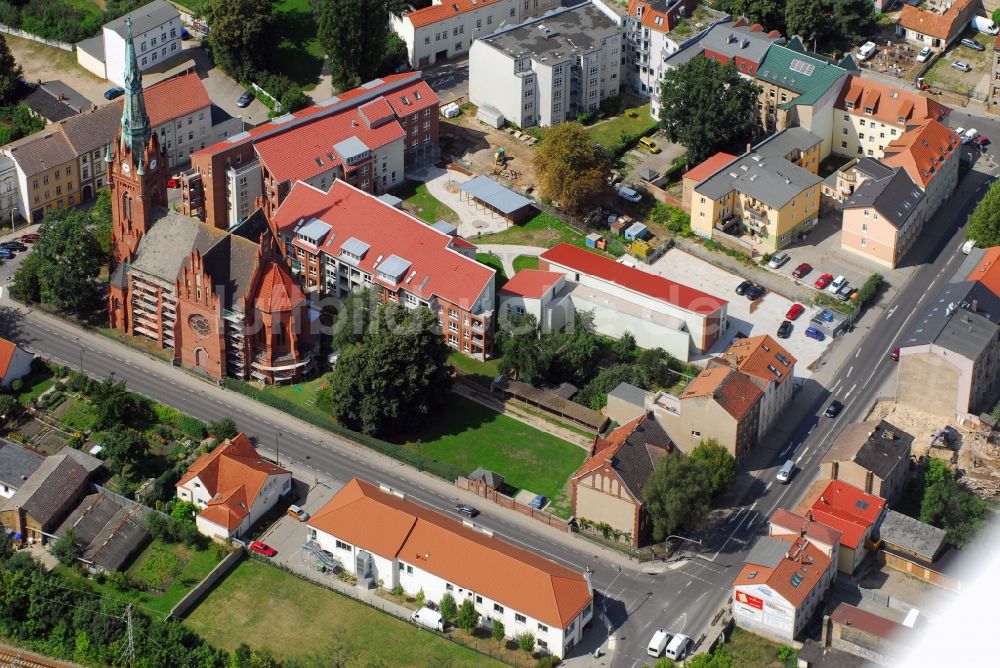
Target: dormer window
{"x": 354, "y": 250}
{"x": 869, "y": 110}
{"x": 849, "y": 105}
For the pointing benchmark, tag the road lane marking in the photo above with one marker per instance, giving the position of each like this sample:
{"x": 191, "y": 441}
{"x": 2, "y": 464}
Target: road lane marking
{"x": 891, "y": 311}
{"x": 850, "y": 390}
{"x": 790, "y": 447}
{"x": 849, "y": 371}
{"x": 857, "y": 353}
{"x": 733, "y": 518}
{"x": 732, "y": 534}
{"x": 803, "y": 454}
{"x": 832, "y": 390}
{"x": 811, "y": 429}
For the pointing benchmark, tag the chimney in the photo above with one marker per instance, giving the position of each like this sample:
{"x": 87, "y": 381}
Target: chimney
{"x": 749, "y": 147}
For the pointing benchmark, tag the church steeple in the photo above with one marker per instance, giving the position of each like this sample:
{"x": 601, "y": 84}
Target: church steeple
{"x": 135, "y": 121}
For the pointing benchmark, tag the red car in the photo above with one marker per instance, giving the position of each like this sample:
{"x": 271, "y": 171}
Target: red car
{"x": 824, "y": 281}
{"x": 801, "y": 270}
{"x": 795, "y": 311}
{"x": 172, "y": 182}
{"x": 262, "y": 548}
{"x": 30, "y": 238}
{"x": 894, "y": 355}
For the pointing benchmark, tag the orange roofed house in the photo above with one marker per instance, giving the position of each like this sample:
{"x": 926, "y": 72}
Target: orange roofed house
{"x": 608, "y": 487}
{"x": 770, "y": 367}
{"x": 15, "y": 362}
{"x": 854, "y": 513}
{"x": 936, "y": 29}
{"x": 781, "y": 584}
{"x": 233, "y": 487}
{"x": 381, "y": 537}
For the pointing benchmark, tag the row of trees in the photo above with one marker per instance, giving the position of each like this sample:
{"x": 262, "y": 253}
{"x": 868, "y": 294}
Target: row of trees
{"x": 984, "y": 222}
{"x": 830, "y": 22}
{"x": 946, "y": 504}
{"x": 679, "y": 492}
{"x": 63, "y": 20}
{"x": 466, "y": 618}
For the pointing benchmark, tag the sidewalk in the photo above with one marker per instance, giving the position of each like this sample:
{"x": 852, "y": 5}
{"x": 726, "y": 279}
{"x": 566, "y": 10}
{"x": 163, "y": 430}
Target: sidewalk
{"x": 508, "y": 254}
{"x": 443, "y": 185}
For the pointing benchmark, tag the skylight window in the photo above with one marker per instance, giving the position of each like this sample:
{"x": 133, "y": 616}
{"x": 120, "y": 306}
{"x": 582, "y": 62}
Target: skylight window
{"x": 862, "y": 505}
{"x": 802, "y": 67}
{"x": 797, "y": 579}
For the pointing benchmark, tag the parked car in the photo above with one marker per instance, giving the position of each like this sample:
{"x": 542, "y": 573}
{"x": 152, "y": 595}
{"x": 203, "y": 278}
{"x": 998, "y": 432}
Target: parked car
{"x": 867, "y": 50}
{"x": 14, "y": 246}
{"x": 844, "y": 293}
{"x": 961, "y": 66}
{"x": 755, "y": 292}
{"x": 969, "y": 135}
{"x": 972, "y": 44}
{"x": 538, "y": 502}
{"x": 33, "y": 237}
{"x": 984, "y": 24}
{"x": 245, "y": 99}
{"x": 466, "y": 509}
{"x": 112, "y": 93}
{"x": 894, "y": 354}
{"x": 785, "y": 329}
{"x": 814, "y": 333}
{"x": 262, "y": 549}
{"x": 924, "y": 54}
{"x": 801, "y": 270}
{"x": 6, "y": 254}
{"x": 648, "y": 144}
{"x": 173, "y": 182}
{"x": 778, "y": 259}
{"x": 981, "y": 142}
{"x": 794, "y": 311}
{"x": 742, "y": 288}
{"x": 823, "y": 281}
{"x": 298, "y": 513}
{"x": 836, "y": 285}
{"x": 627, "y": 193}
{"x": 833, "y": 410}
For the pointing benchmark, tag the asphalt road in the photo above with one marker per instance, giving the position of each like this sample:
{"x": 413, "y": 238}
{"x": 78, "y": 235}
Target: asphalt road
{"x": 681, "y": 596}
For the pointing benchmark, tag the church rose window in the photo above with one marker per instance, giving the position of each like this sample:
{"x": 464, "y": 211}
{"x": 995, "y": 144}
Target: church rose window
{"x": 199, "y": 324}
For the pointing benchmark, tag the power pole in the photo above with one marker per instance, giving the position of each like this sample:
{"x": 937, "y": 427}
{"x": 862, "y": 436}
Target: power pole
{"x": 128, "y": 650}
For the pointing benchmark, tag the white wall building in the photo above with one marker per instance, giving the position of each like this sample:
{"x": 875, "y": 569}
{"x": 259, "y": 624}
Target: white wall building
{"x": 156, "y": 29}
{"x": 530, "y": 292}
{"x": 233, "y": 486}
{"x": 549, "y": 69}
{"x": 383, "y": 538}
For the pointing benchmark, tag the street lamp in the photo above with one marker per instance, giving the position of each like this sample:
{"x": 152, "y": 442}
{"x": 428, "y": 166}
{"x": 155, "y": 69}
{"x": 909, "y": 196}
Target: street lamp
{"x": 277, "y": 458}
{"x": 604, "y": 602}
{"x": 420, "y": 455}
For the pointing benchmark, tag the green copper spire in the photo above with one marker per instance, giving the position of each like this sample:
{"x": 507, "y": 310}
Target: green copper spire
{"x": 135, "y": 122}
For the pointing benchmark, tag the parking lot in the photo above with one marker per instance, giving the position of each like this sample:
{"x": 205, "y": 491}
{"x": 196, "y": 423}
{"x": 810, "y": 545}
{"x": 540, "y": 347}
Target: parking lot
{"x": 288, "y": 534}
{"x": 767, "y": 314}
{"x": 942, "y": 74}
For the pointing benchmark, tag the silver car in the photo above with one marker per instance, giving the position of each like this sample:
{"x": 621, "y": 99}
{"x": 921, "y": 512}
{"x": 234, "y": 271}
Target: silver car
{"x": 961, "y": 66}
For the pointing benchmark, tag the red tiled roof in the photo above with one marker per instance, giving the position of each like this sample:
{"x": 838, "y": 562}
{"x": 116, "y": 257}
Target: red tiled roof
{"x": 636, "y": 280}
{"x": 7, "y": 350}
{"x": 448, "y": 8}
{"x": 757, "y": 355}
{"x": 987, "y": 271}
{"x": 848, "y": 615}
{"x": 709, "y": 166}
{"x": 803, "y": 558}
{"x": 391, "y": 527}
{"x": 436, "y": 268}
{"x": 531, "y": 283}
{"x": 849, "y": 510}
{"x": 731, "y": 389}
{"x": 278, "y": 291}
{"x": 931, "y": 23}
{"x": 794, "y": 523}
{"x": 174, "y": 97}
{"x": 888, "y": 103}
{"x": 922, "y": 150}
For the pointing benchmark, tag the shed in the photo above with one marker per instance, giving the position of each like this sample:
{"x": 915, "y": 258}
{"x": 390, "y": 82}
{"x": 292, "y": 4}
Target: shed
{"x": 391, "y": 200}
{"x": 491, "y": 117}
{"x": 626, "y": 402}
{"x": 492, "y": 196}
{"x": 636, "y": 231}
{"x": 595, "y": 240}
{"x": 492, "y": 479}
{"x": 647, "y": 174}
{"x": 551, "y": 403}
{"x": 619, "y": 225}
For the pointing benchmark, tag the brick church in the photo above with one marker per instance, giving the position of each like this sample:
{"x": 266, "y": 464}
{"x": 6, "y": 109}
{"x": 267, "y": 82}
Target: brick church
{"x": 223, "y": 300}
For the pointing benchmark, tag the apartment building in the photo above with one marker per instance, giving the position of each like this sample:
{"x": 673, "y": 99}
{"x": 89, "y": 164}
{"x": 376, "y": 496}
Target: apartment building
{"x": 156, "y": 30}
{"x": 180, "y": 112}
{"x": 654, "y": 30}
{"x": 367, "y": 136}
{"x": 9, "y": 192}
{"x": 874, "y": 456}
{"x": 448, "y": 28}
{"x": 343, "y": 239}
{"x": 870, "y": 115}
{"x": 771, "y": 368}
{"x": 46, "y": 166}
{"x": 380, "y": 536}
{"x": 883, "y": 217}
{"x": 856, "y": 514}
{"x": 929, "y": 153}
{"x": 769, "y": 194}
{"x": 549, "y": 69}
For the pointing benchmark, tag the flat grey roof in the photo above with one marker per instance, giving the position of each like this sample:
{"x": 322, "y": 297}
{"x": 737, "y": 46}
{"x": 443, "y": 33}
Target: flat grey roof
{"x": 93, "y": 46}
{"x": 145, "y": 18}
{"x": 912, "y": 535}
{"x": 767, "y": 552}
{"x": 895, "y": 197}
{"x": 629, "y": 393}
{"x": 953, "y": 299}
{"x": 394, "y": 266}
{"x": 772, "y": 180}
{"x": 350, "y": 147}
{"x": 315, "y": 229}
{"x": 873, "y": 168}
{"x": 572, "y": 30}
{"x": 391, "y": 200}
{"x": 354, "y": 246}
{"x": 781, "y": 144}
{"x": 492, "y": 193}
{"x": 967, "y": 334}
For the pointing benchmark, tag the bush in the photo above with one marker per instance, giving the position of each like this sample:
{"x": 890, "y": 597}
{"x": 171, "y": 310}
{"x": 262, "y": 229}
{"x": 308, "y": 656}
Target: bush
{"x": 59, "y": 386}
{"x": 548, "y": 661}
{"x": 448, "y": 608}
{"x": 193, "y": 427}
{"x": 66, "y": 549}
{"x": 293, "y": 100}
{"x": 223, "y": 429}
{"x": 869, "y": 289}
{"x": 526, "y": 641}
{"x": 17, "y": 385}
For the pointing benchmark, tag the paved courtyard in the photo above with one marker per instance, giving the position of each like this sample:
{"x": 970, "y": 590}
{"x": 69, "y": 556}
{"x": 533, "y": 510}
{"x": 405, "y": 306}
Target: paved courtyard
{"x": 443, "y": 185}
{"x": 680, "y": 266}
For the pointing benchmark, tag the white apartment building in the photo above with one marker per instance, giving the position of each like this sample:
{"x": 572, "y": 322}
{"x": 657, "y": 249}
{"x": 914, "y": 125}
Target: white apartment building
{"x": 156, "y": 30}
{"x": 243, "y": 187}
{"x": 447, "y": 28}
{"x": 381, "y": 537}
{"x": 550, "y": 69}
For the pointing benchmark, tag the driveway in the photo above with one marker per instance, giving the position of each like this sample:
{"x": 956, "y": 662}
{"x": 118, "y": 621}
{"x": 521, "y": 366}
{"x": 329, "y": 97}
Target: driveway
{"x": 508, "y": 254}
{"x": 638, "y": 159}
{"x": 767, "y": 314}
{"x": 450, "y": 80}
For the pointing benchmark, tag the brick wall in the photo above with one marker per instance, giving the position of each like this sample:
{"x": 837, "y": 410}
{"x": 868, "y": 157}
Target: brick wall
{"x": 480, "y": 488}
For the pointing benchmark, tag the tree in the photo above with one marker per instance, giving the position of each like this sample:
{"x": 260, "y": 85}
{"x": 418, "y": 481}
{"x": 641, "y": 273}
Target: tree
{"x": 62, "y": 268}
{"x": 468, "y": 618}
{"x": 395, "y": 379}
{"x": 677, "y": 494}
{"x": 184, "y": 511}
{"x": 10, "y": 72}
{"x": 523, "y": 354}
{"x": 122, "y": 448}
{"x": 576, "y": 353}
{"x": 526, "y": 641}
{"x": 354, "y": 318}
{"x": 420, "y": 598}
{"x": 293, "y": 100}
{"x": 570, "y": 166}
{"x": 242, "y": 31}
{"x": 223, "y": 429}
{"x": 448, "y": 608}
{"x": 625, "y": 349}
{"x": 354, "y": 35}
{"x": 9, "y": 406}
{"x": 984, "y": 222}
{"x": 395, "y": 54}
{"x": 806, "y": 18}
{"x": 850, "y": 20}
{"x": 66, "y": 549}
{"x": 100, "y": 218}
{"x": 719, "y": 465}
{"x": 115, "y": 406}
{"x": 708, "y": 107}
{"x": 948, "y": 505}
{"x": 498, "y": 632}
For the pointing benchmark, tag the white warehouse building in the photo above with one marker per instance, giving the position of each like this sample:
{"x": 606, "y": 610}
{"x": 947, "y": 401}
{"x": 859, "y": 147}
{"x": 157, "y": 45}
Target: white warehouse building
{"x": 383, "y": 538}
{"x": 549, "y": 69}
{"x": 156, "y": 32}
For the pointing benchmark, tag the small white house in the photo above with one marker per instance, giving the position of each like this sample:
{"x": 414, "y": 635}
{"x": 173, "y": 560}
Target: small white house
{"x": 156, "y": 32}
{"x": 15, "y": 362}
{"x": 530, "y": 292}
{"x": 232, "y": 486}
{"x": 383, "y": 538}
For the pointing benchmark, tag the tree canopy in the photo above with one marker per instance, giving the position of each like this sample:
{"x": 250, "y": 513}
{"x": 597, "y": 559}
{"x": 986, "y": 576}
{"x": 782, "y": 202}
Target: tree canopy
{"x": 708, "y": 107}
{"x": 718, "y": 463}
{"x": 806, "y": 18}
{"x": 242, "y": 32}
{"x": 570, "y": 166}
{"x": 396, "y": 377}
{"x": 984, "y": 222}
{"x": 122, "y": 448}
{"x": 830, "y": 22}
{"x": 354, "y": 35}
{"x": 948, "y": 505}
{"x": 677, "y": 495}
{"x": 10, "y": 72}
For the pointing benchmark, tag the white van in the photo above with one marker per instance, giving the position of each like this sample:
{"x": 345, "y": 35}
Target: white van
{"x": 984, "y": 24}
{"x": 432, "y": 619}
{"x": 658, "y": 643}
{"x": 678, "y": 647}
{"x": 785, "y": 473}
{"x": 867, "y": 50}
{"x": 968, "y": 246}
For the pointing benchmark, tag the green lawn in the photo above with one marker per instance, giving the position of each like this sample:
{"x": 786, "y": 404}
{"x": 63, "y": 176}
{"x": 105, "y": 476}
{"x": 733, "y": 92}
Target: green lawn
{"x": 34, "y": 385}
{"x": 492, "y": 261}
{"x": 489, "y": 369}
{"x": 294, "y": 619}
{"x": 606, "y": 133}
{"x": 298, "y": 54}
{"x": 751, "y": 651}
{"x": 301, "y": 394}
{"x": 419, "y": 202}
{"x": 467, "y": 435}
{"x": 79, "y": 416}
{"x": 525, "y": 262}
{"x": 542, "y": 229}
